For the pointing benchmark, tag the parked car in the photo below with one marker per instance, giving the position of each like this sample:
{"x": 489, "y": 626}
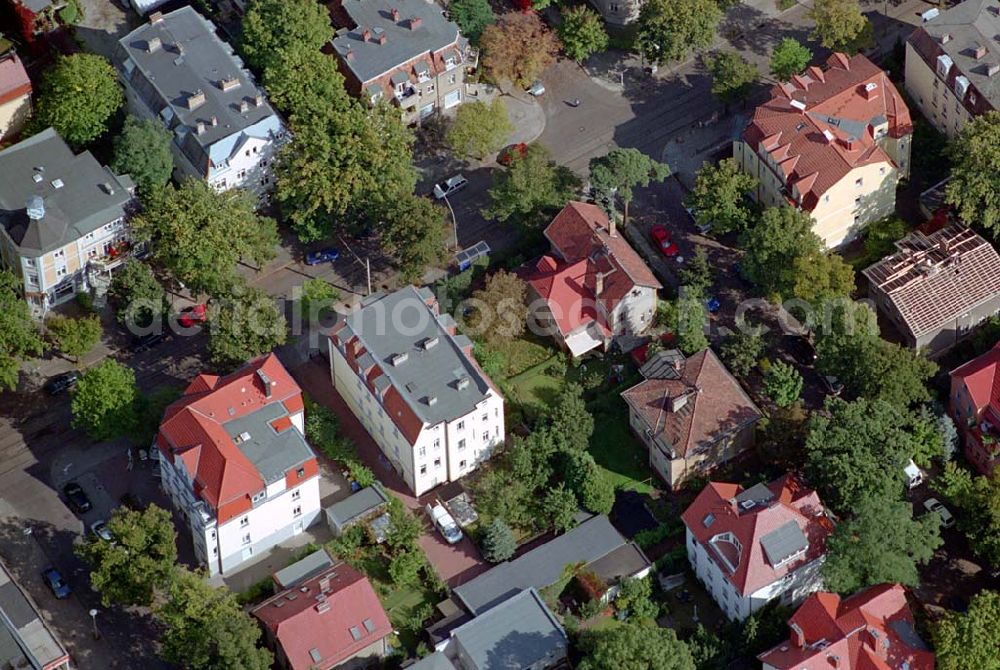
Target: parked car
{"x": 713, "y": 305}
{"x": 449, "y": 186}
{"x": 537, "y": 88}
{"x": 934, "y": 505}
{"x": 100, "y": 530}
{"x": 78, "y": 500}
{"x": 141, "y": 343}
{"x": 703, "y": 228}
{"x": 914, "y": 476}
{"x": 802, "y": 350}
{"x": 832, "y": 384}
{"x": 445, "y": 523}
{"x": 61, "y": 383}
{"x": 661, "y": 236}
{"x": 60, "y": 589}
{"x": 322, "y": 256}
{"x": 510, "y": 152}
{"x": 192, "y": 316}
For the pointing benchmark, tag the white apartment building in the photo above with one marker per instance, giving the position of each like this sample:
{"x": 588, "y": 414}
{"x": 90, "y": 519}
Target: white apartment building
{"x": 754, "y": 546}
{"x": 236, "y": 464}
{"x": 63, "y": 218}
{"x": 411, "y": 380}
{"x": 176, "y": 69}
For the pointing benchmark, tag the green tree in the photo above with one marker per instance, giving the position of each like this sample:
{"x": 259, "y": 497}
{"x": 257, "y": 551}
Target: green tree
{"x": 732, "y": 76}
{"x": 472, "y": 17}
{"x": 719, "y": 196}
{"x": 498, "y": 541}
{"x": 317, "y": 297}
{"x": 782, "y": 384}
{"x": 978, "y": 499}
{"x": 697, "y": 273}
{"x": 479, "y": 129}
{"x": 19, "y": 337}
{"x": 560, "y": 507}
{"x": 741, "y": 351}
{"x": 404, "y": 528}
{"x": 708, "y": 650}
{"x": 304, "y": 82}
{"x": 78, "y": 97}
{"x": 635, "y": 596}
{"x": 838, "y": 22}
{"x": 572, "y": 424}
{"x": 206, "y": 629}
{"x": 858, "y": 449}
{"x": 964, "y": 640}
{"x": 530, "y": 188}
{"x": 881, "y": 543}
{"x": 104, "y": 401}
{"x": 138, "y": 296}
{"x": 820, "y": 275}
{"x": 200, "y": 235}
{"x": 404, "y": 567}
{"x": 244, "y": 324}
{"x": 517, "y": 48}
{"x": 271, "y": 27}
{"x": 415, "y": 235}
{"x": 789, "y": 58}
{"x": 634, "y": 646}
{"x": 582, "y": 32}
{"x": 140, "y": 561}
{"x": 670, "y": 30}
{"x": 74, "y": 337}
{"x": 502, "y": 307}
{"x": 622, "y": 170}
{"x": 782, "y": 235}
{"x": 691, "y": 321}
{"x": 974, "y": 189}
{"x": 593, "y": 489}
{"x": 142, "y": 150}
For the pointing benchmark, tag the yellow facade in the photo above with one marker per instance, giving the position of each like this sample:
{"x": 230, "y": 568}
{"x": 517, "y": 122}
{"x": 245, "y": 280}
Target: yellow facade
{"x": 936, "y": 101}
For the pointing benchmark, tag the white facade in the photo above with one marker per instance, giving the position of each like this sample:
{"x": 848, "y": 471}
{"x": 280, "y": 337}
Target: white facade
{"x": 790, "y": 589}
{"x": 281, "y": 513}
{"x": 442, "y": 452}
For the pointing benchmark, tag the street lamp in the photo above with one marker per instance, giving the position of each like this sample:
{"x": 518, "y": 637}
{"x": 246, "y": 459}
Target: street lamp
{"x": 453, "y": 219}
{"x": 93, "y": 618}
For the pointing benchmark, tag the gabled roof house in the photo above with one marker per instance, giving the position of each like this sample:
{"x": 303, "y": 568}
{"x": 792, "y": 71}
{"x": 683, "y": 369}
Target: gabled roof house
{"x": 974, "y": 404}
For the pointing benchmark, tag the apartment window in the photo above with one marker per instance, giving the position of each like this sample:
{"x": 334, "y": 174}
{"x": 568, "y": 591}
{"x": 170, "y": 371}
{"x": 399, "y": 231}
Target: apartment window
{"x": 461, "y": 425}
{"x": 61, "y": 271}
{"x": 59, "y": 254}
{"x": 423, "y": 469}
{"x": 29, "y": 262}
{"x": 461, "y": 444}
{"x": 486, "y": 436}
{"x": 244, "y": 522}
{"x": 437, "y": 442}
{"x": 486, "y": 417}
{"x": 258, "y": 497}
{"x": 437, "y": 462}
{"x": 857, "y": 201}
{"x": 296, "y": 494}
{"x": 246, "y": 539}
{"x": 859, "y": 181}
{"x": 241, "y": 174}
{"x": 32, "y": 280}
{"x": 301, "y": 472}
{"x": 461, "y": 465}
{"x": 451, "y": 79}
{"x": 826, "y": 198}
{"x": 215, "y": 551}
{"x": 422, "y": 451}
{"x": 429, "y": 88}
{"x": 614, "y": 7}
{"x": 935, "y": 83}
{"x": 247, "y": 152}
{"x": 881, "y": 170}
{"x": 297, "y": 511}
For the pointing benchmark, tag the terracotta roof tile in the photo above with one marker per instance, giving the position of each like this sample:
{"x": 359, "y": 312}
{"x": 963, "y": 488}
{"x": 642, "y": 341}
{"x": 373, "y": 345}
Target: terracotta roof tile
{"x": 981, "y": 377}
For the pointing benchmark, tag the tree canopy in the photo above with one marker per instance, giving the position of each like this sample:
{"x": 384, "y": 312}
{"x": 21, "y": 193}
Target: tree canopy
{"x": 19, "y": 336}
{"x": 974, "y": 189}
{"x": 200, "y": 235}
{"x": 582, "y": 32}
{"x": 532, "y": 187}
{"x": 104, "y": 401}
{"x": 634, "y": 646}
{"x": 881, "y": 543}
{"x": 782, "y": 384}
{"x": 517, "y": 48}
{"x": 271, "y": 27}
{"x": 244, "y": 324}
{"x": 78, "y": 96}
{"x": 669, "y": 30}
{"x": 472, "y": 17}
{"x": 838, "y": 22}
{"x": 732, "y": 76}
{"x": 620, "y": 171}
{"x": 137, "y": 295}
{"x": 139, "y": 561}
{"x": 142, "y": 150}
{"x": 719, "y": 197}
{"x": 74, "y": 337}
{"x": 498, "y": 541}
{"x": 502, "y": 308}
{"x": 415, "y": 235}
{"x": 789, "y": 58}
{"x": 772, "y": 245}
{"x": 479, "y": 129}
{"x": 964, "y": 640}
{"x": 978, "y": 498}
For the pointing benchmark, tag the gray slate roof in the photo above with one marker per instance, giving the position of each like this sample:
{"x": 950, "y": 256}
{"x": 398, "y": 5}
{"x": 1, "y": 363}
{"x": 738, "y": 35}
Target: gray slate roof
{"x": 359, "y": 504}
{"x": 541, "y": 566}
{"x": 401, "y": 322}
{"x": 783, "y": 542}
{"x": 310, "y": 566}
{"x": 90, "y": 196}
{"x": 515, "y": 634}
{"x": 191, "y": 58}
{"x": 371, "y": 59}
{"x": 971, "y": 23}
{"x": 272, "y": 453}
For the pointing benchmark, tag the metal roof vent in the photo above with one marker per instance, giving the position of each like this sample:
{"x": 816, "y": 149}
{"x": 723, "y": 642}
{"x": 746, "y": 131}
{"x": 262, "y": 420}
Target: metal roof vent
{"x": 107, "y": 188}
{"x": 798, "y": 104}
{"x": 430, "y": 343}
{"x": 153, "y": 44}
{"x": 57, "y": 183}
{"x": 36, "y": 208}
{"x": 399, "y": 359}
{"x": 431, "y": 400}
{"x": 315, "y": 655}
{"x": 37, "y": 178}
{"x": 463, "y": 383}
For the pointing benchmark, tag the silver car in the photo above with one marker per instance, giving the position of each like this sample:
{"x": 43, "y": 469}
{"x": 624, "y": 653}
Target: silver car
{"x": 449, "y": 186}
{"x": 934, "y": 505}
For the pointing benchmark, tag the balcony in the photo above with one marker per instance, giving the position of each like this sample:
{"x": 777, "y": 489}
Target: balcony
{"x": 404, "y": 92}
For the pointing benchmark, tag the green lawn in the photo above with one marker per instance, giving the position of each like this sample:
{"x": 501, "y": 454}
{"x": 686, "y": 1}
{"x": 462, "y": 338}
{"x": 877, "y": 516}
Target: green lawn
{"x": 616, "y": 449}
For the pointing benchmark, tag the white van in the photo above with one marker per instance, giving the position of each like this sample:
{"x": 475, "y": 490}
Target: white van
{"x": 445, "y": 523}
{"x": 914, "y": 476}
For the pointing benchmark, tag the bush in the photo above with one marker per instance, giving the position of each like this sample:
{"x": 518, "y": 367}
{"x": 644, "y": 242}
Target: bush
{"x": 647, "y": 538}
{"x": 70, "y": 13}
{"x": 85, "y": 301}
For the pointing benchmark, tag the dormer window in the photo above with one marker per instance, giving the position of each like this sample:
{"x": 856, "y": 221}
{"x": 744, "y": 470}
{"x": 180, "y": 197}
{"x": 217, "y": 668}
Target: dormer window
{"x": 258, "y": 497}
{"x": 728, "y": 548}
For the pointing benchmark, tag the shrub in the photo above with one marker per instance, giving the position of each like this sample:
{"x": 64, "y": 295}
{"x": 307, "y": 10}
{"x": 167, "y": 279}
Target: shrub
{"x": 498, "y": 542}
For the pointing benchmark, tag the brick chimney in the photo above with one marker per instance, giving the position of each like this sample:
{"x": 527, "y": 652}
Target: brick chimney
{"x": 612, "y": 226}
{"x": 153, "y": 44}
{"x": 395, "y": 15}
{"x": 797, "y": 637}
{"x": 155, "y": 17}
{"x": 415, "y": 22}
{"x": 598, "y": 284}
{"x": 366, "y": 35}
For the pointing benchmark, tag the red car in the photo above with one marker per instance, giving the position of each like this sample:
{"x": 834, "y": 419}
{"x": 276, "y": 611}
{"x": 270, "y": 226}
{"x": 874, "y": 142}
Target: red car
{"x": 661, "y": 236}
{"x": 510, "y": 152}
{"x": 192, "y": 316}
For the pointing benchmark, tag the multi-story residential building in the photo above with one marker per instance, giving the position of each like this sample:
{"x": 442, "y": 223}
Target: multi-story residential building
{"x": 63, "y": 217}
{"x": 691, "y": 414}
{"x": 403, "y": 51}
{"x": 407, "y": 375}
{"x": 15, "y": 95}
{"x": 833, "y": 142}
{"x": 176, "y": 69}
{"x": 871, "y": 630}
{"x": 938, "y": 287}
{"x": 974, "y": 404}
{"x": 953, "y": 64}
{"x": 618, "y": 12}
{"x": 236, "y": 465}
{"x": 593, "y": 287}
{"x": 749, "y": 547}
{"x": 26, "y": 641}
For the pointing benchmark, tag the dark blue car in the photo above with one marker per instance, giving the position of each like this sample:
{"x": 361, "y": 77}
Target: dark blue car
{"x": 60, "y": 589}
{"x": 322, "y": 256}
{"x": 713, "y": 305}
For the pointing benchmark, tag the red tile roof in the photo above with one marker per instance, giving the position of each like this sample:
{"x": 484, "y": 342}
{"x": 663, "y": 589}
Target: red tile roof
{"x": 717, "y": 405}
{"x": 784, "y": 500}
{"x": 871, "y": 630}
{"x": 192, "y": 428}
{"x": 315, "y": 617}
{"x": 828, "y": 130}
{"x": 14, "y": 82}
{"x": 564, "y": 286}
{"x": 981, "y": 377}
{"x": 582, "y": 232}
